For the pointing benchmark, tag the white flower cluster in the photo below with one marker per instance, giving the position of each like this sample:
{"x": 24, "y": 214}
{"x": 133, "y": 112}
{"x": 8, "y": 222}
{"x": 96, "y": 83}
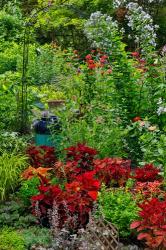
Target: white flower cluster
{"x": 119, "y": 3}
{"x": 122, "y": 3}
{"x": 142, "y": 26}
{"x": 100, "y": 29}
{"x": 161, "y": 109}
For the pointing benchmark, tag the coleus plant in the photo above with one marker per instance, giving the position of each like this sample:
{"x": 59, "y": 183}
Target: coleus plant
{"x": 83, "y": 155}
{"x": 42, "y": 202}
{"x": 147, "y": 173}
{"x": 79, "y": 159}
{"x": 78, "y": 197}
{"x": 41, "y": 156}
{"x": 112, "y": 171}
{"x": 81, "y": 194}
{"x": 30, "y": 172}
{"x": 148, "y": 190}
{"x": 152, "y": 224}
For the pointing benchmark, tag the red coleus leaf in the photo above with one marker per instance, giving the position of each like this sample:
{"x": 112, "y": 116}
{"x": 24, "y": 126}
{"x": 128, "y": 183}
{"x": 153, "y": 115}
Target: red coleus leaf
{"x": 41, "y": 156}
{"x": 143, "y": 236}
{"x": 38, "y": 197}
{"x": 160, "y": 232}
{"x": 112, "y": 170}
{"x": 75, "y": 186}
{"x": 152, "y": 219}
{"x": 135, "y": 224}
{"x": 93, "y": 195}
{"x": 146, "y": 173}
{"x": 43, "y": 188}
{"x": 155, "y": 242}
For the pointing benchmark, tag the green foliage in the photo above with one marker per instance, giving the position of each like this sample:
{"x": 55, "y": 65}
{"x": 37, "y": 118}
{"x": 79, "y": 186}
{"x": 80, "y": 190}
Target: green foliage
{"x": 10, "y": 239}
{"x": 41, "y": 65}
{"x": 13, "y": 213}
{"x": 28, "y": 189}
{"x": 10, "y": 26}
{"x": 11, "y": 165}
{"x": 145, "y": 143}
{"x": 37, "y": 236}
{"x": 10, "y": 141}
{"x": 95, "y": 133}
{"x": 119, "y": 208}
{"x": 8, "y": 57}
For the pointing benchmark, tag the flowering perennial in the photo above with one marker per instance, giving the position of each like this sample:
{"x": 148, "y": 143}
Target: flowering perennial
{"x": 141, "y": 25}
{"x": 101, "y": 30}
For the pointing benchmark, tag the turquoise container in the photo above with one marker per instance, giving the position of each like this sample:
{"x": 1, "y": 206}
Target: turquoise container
{"x": 47, "y": 140}
{"x": 43, "y": 134}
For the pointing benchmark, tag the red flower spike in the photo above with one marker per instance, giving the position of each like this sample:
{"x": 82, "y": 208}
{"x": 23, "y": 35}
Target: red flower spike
{"x": 135, "y": 54}
{"x": 136, "y": 119}
{"x": 92, "y": 66}
{"x": 88, "y": 57}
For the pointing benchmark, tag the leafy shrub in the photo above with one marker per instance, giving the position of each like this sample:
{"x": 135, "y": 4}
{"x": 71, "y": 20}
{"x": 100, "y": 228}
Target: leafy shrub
{"x": 148, "y": 190}
{"x": 11, "y": 141}
{"x": 9, "y": 88}
{"x": 77, "y": 198}
{"x": 14, "y": 214}
{"x": 151, "y": 225}
{"x": 112, "y": 171}
{"x": 41, "y": 156}
{"x": 11, "y": 166}
{"x": 119, "y": 208}
{"x": 81, "y": 194}
{"x": 8, "y": 58}
{"x": 82, "y": 154}
{"x": 31, "y": 172}
{"x": 28, "y": 189}
{"x": 147, "y": 173}
{"x": 36, "y": 236}
{"x": 10, "y": 26}
{"x": 79, "y": 159}
{"x": 10, "y": 239}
